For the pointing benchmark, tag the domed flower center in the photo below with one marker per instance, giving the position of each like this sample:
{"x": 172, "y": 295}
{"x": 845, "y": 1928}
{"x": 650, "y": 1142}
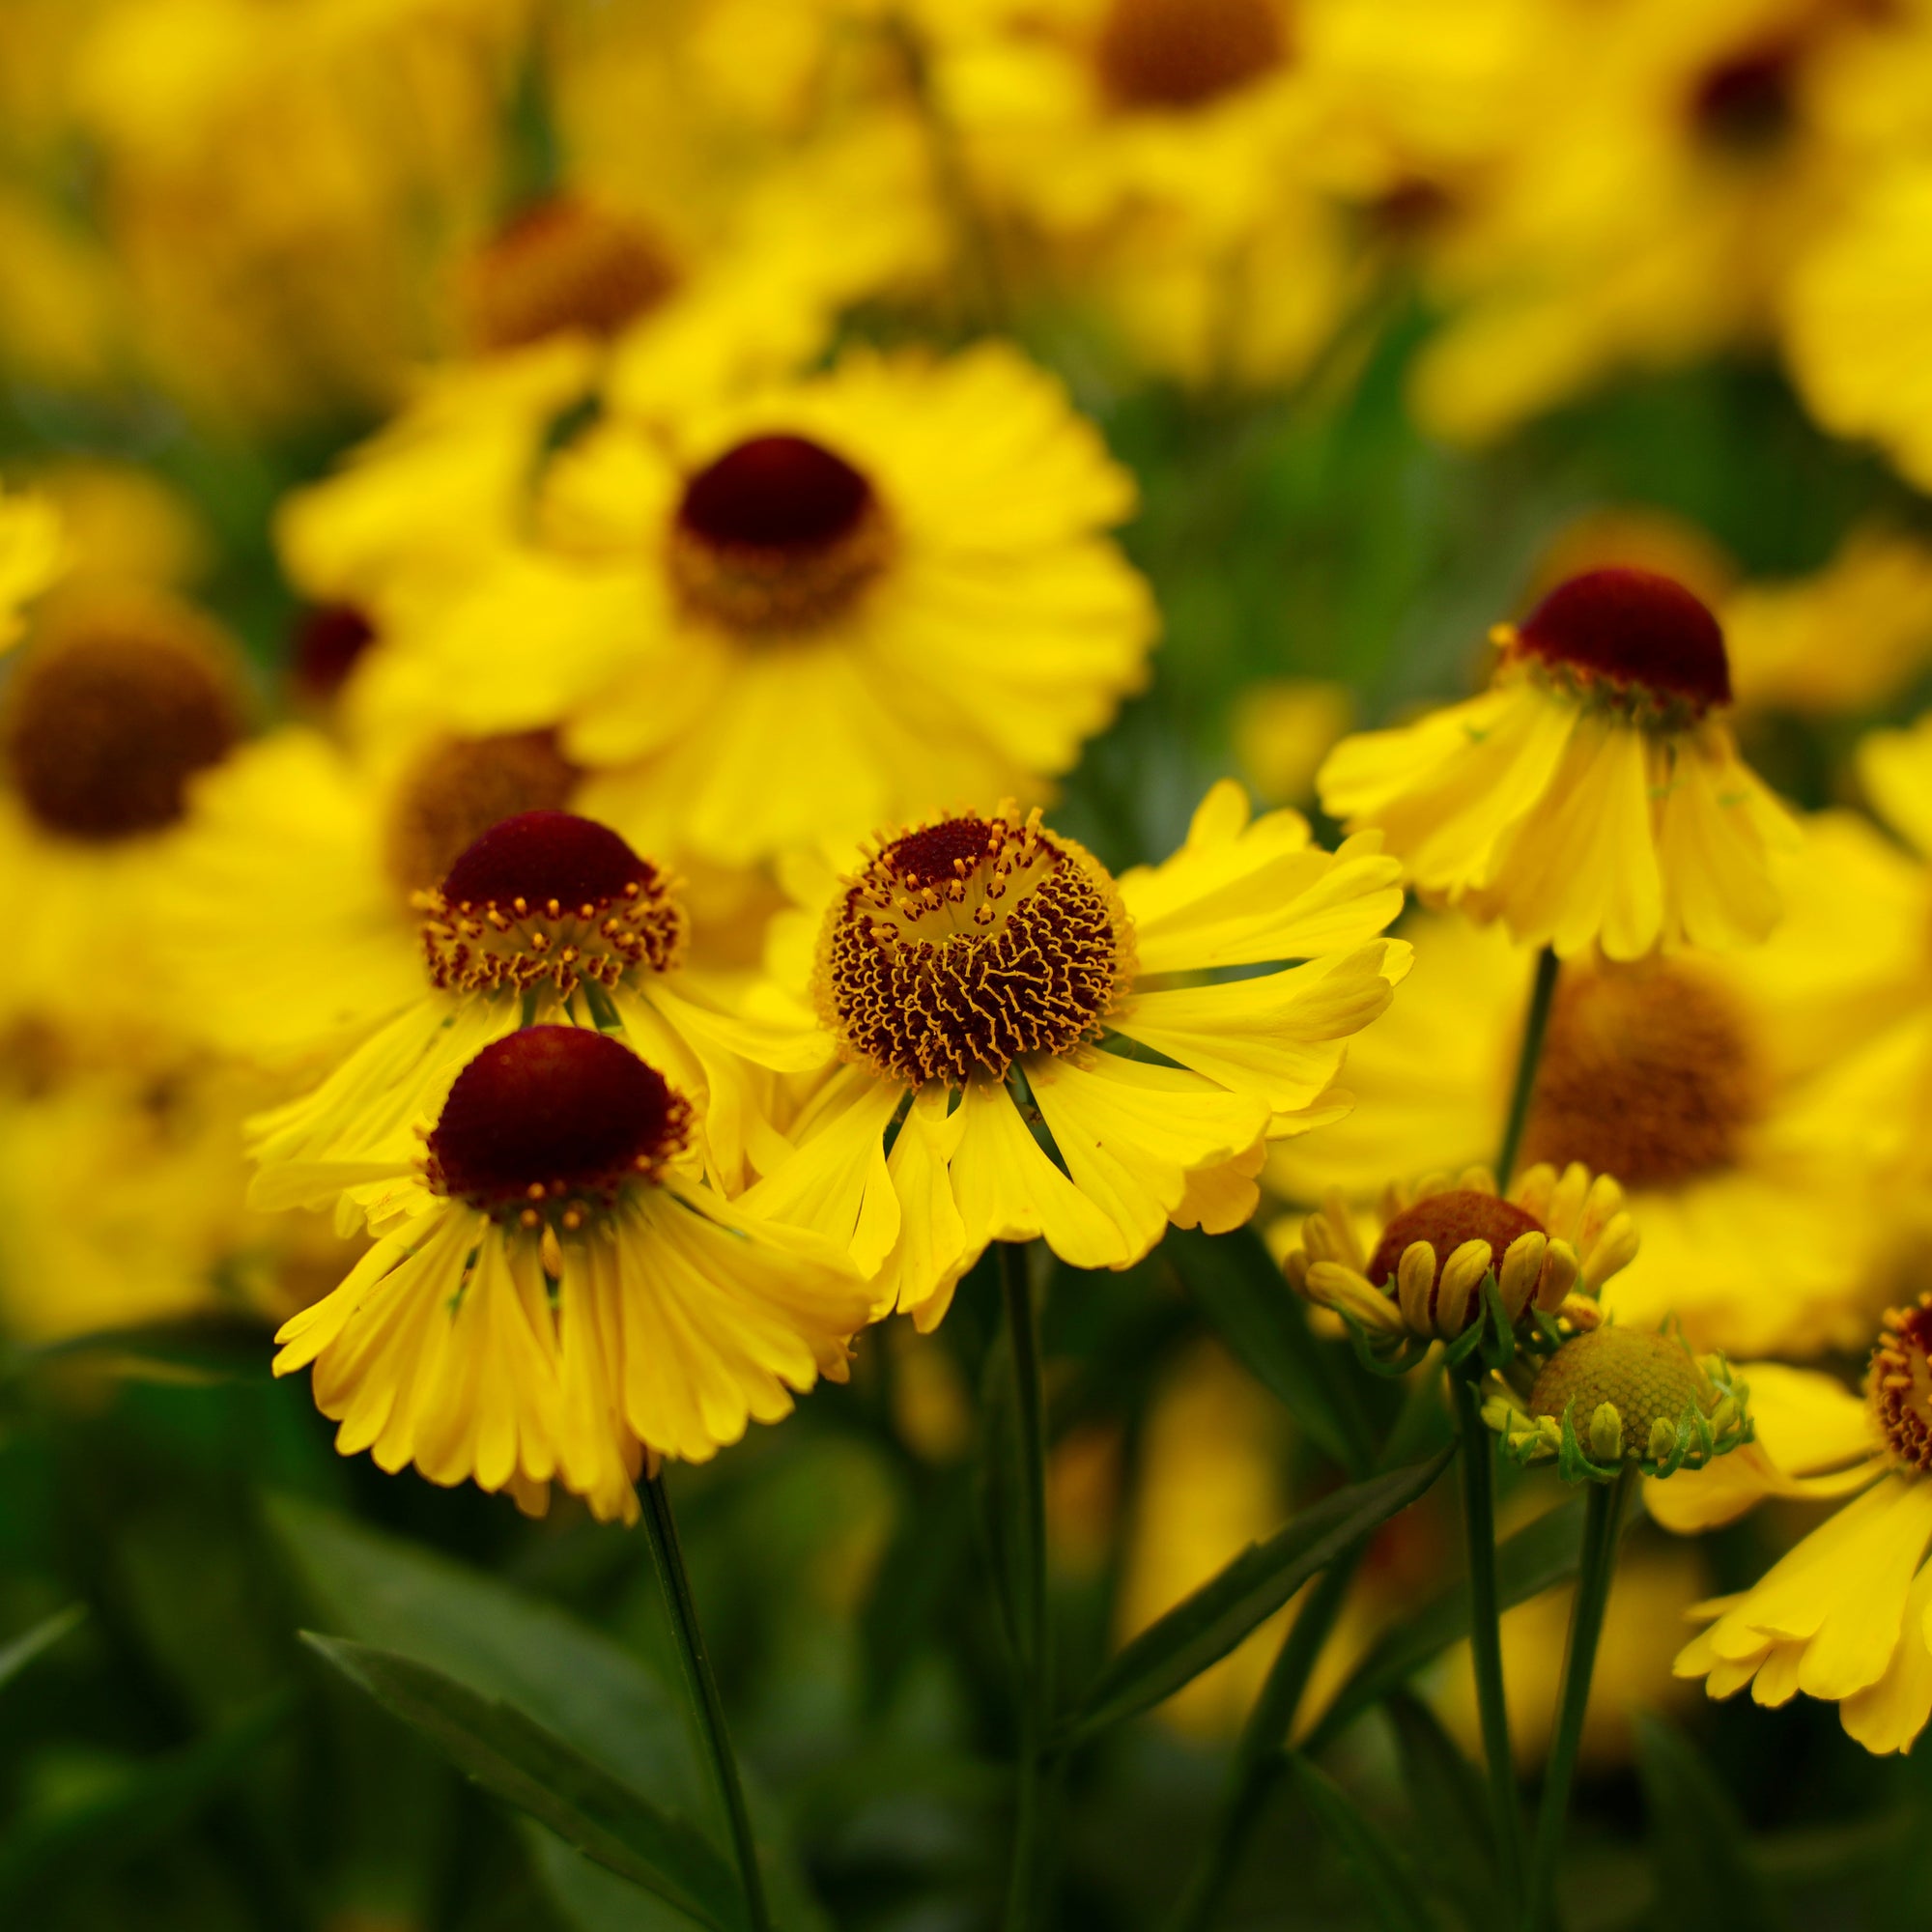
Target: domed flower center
{"x": 1746, "y": 106}
{"x": 1446, "y": 1221}
{"x": 1645, "y": 1376}
{"x": 459, "y": 788}
{"x": 1899, "y": 1384}
{"x": 548, "y": 898}
{"x": 1631, "y": 638}
{"x": 778, "y": 533}
{"x": 549, "y": 1114}
{"x": 1185, "y": 54}
{"x": 1649, "y": 1072}
{"x": 969, "y": 943}
{"x": 564, "y": 265}
{"x": 329, "y": 641}
{"x": 105, "y": 723}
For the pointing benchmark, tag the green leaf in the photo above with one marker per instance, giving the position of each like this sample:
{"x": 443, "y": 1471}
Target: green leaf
{"x": 498, "y": 1640}
{"x": 14, "y": 1656}
{"x": 1697, "y": 1844}
{"x": 515, "y": 1757}
{"x": 1381, "y": 1872}
{"x": 1205, "y": 1627}
{"x": 1448, "y": 1808}
{"x": 1242, "y": 1291}
{"x": 147, "y": 1805}
{"x": 1538, "y": 1557}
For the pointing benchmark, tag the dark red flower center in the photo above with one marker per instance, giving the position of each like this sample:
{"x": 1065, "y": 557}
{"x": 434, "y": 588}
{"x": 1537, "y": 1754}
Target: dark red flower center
{"x": 552, "y": 1112}
{"x": 1632, "y": 628}
{"x": 1184, "y": 53}
{"x": 104, "y": 726}
{"x": 1446, "y": 1221}
{"x": 544, "y": 858}
{"x": 1745, "y": 105}
{"x": 934, "y": 855}
{"x": 330, "y": 638}
{"x": 776, "y": 493}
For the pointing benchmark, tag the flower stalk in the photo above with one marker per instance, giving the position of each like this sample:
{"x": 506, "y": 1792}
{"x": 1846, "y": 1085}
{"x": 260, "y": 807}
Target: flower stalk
{"x": 1602, "y": 1525}
{"x": 1536, "y": 1023}
{"x": 702, "y": 1689}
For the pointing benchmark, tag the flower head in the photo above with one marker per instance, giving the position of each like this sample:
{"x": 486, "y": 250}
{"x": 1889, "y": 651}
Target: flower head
{"x": 1592, "y": 797}
{"x": 559, "y": 1297}
{"x": 1843, "y": 1615}
{"x": 1032, "y": 1047}
{"x": 1451, "y": 1259}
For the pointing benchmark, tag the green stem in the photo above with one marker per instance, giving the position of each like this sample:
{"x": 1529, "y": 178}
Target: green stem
{"x": 1485, "y": 1640}
{"x": 1030, "y": 1637}
{"x": 1535, "y": 1023}
{"x": 1262, "y": 1736}
{"x": 1602, "y": 1523}
{"x": 703, "y": 1688}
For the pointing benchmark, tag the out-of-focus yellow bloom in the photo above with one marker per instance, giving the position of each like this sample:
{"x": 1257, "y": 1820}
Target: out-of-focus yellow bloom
{"x": 275, "y": 178}
{"x": 1740, "y": 1100}
{"x": 1844, "y": 640}
{"x": 1654, "y": 1586}
{"x": 789, "y": 616}
{"x": 125, "y": 524}
{"x": 973, "y": 966}
{"x": 34, "y": 550}
{"x": 560, "y": 1296}
{"x": 1593, "y": 795}
{"x": 1674, "y": 163}
{"x": 1283, "y": 729}
{"x": 1842, "y": 1617}
{"x": 1638, "y": 537}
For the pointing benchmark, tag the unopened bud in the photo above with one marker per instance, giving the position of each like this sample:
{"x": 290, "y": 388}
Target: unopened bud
{"x": 1414, "y": 1277}
{"x": 1461, "y": 1273}
{"x": 1607, "y": 1432}
{"x": 1523, "y": 1265}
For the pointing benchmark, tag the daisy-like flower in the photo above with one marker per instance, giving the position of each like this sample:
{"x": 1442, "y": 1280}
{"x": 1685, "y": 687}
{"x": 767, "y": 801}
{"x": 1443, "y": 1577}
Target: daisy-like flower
{"x": 1446, "y": 1252}
{"x": 1740, "y": 1100}
{"x": 804, "y": 612}
{"x": 1843, "y": 1617}
{"x": 118, "y": 699}
{"x": 561, "y": 1297}
{"x": 1593, "y": 795}
{"x": 546, "y": 917}
{"x": 995, "y": 993}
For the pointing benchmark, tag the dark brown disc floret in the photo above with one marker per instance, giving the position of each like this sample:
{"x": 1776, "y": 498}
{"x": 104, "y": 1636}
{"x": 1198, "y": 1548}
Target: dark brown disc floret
{"x": 1638, "y": 634}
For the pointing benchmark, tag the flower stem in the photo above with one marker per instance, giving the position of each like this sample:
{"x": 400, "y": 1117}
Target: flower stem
{"x": 1535, "y": 1023}
{"x": 703, "y": 1688}
{"x": 1486, "y": 1643}
{"x": 1262, "y": 1739}
{"x": 1602, "y": 1521}
{"x": 1032, "y": 1649}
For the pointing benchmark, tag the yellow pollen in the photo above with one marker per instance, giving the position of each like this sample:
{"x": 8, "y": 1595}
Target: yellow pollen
{"x": 1649, "y": 1072}
{"x": 966, "y": 944}
{"x": 1899, "y": 1384}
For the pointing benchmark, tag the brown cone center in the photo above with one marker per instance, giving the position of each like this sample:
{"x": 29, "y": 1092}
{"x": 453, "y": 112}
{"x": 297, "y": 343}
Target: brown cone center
{"x": 1446, "y": 1221}
{"x": 1634, "y": 630}
{"x": 1649, "y": 1073}
{"x": 104, "y": 725}
{"x": 1179, "y": 54}
{"x": 562, "y": 265}
{"x": 552, "y": 1112}
{"x": 459, "y": 788}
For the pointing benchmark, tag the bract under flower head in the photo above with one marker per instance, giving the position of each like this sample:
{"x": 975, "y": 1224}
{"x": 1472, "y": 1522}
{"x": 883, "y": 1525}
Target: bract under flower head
{"x": 969, "y": 942}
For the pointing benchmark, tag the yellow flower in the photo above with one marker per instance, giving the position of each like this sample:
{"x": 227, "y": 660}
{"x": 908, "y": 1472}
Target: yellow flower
{"x": 1742, "y": 1099}
{"x": 1847, "y": 638}
{"x": 1282, "y": 730}
{"x": 33, "y": 554}
{"x": 794, "y": 616}
{"x": 559, "y": 1298}
{"x": 120, "y": 697}
{"x": 988, "y": 981}
{"x": 1593, "y": 795}
{"x": 543, "y": 917}
{"x": 1551, "y": 1242}
{"x": 1842, "y": 1617}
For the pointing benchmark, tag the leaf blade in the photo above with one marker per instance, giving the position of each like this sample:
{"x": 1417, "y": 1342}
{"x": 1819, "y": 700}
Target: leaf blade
{"x": 1381, "y": 1872}
{"x": 1208, "y": 1624}
{"x": 1699, "y": 1849}
{"x": 14, "y": 1656}
{"x": 511, "y": 1755}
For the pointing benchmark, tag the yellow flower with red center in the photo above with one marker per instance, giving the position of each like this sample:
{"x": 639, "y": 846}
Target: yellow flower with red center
{"x": 1032, "y": 1047}
{"x": 797, "y": 614}
{"x": 559, "y": 1297}
{"x": 1593, "y": 796}
{"x": 1843, "y": 1616}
